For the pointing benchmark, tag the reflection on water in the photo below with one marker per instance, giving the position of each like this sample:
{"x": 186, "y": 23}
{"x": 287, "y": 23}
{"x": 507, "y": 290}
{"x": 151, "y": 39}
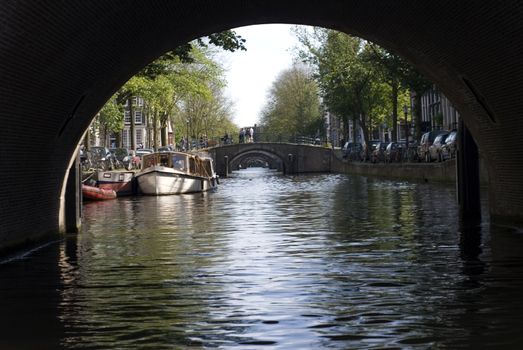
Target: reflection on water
{"x": 267, "y": 261}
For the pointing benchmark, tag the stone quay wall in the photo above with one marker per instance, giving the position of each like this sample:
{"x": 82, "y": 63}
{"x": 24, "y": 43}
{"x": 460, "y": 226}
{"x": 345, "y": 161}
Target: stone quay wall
{"x": 444, "y": 172}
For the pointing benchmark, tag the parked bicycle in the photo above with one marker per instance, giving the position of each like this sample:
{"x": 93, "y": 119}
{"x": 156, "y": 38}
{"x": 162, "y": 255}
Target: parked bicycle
{"x": 97, "y": 158}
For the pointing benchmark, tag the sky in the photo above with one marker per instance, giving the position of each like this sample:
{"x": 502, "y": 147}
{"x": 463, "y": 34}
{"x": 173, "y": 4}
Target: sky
{"x": 250, "y": 73}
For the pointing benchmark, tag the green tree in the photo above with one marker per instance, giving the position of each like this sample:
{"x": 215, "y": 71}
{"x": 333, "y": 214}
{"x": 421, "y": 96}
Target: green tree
{"x": 418, "y": 84}
{"x": 133, "y": 87}
{"x": 293, "y": 106}
{"x": 391, "y": 69}
{"x": 349, "y": 84}
{"x": 175, "y": 75}
{"x": 227, "y": 40}
{"x": 111, "y": 117}
{"x": 206, "y": 116}
{"x": 202, "y": 105}
{"x": 359, "y": 80}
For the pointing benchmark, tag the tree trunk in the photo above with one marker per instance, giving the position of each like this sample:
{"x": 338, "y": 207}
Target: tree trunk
{"x": 417, "y": 116}
{"x": 104, "y": 136}
{"x": 394, "y": 111}
{"x": 147, "y": 141}
{"x": 131, "y": 131}
{"x": 346, "y": 130}
{"x": 87, "y": 141}
{"x": 163, "y": 133}
{"x": 365, "y": 129}
{"x": 370, "y": 135}
{"x": 118, "y": 139}
{"x": 155, "y": 130}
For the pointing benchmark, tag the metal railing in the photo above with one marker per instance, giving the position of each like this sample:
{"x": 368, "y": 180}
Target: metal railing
{"x": 261, "y": 137}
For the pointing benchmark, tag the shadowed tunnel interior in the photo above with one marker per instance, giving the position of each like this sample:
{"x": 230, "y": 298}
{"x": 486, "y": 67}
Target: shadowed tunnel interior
{"x": 60, "y": 62}
{"x": 257, "y": 159}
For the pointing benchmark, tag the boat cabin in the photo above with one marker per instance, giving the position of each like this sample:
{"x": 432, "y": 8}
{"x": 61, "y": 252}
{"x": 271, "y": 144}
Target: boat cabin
{"x": 181, "y": 162}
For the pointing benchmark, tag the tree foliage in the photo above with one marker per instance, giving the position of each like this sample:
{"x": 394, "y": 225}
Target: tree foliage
{"x": 111, "y": 115}
{"x": 227, "y": 40}
{"x": 185, "y": 76}
{"x": 206, "y": 116}
{"x": 358, "y": 80}
{"x": 293, "y": 106}
{"x": 349, "y": 84}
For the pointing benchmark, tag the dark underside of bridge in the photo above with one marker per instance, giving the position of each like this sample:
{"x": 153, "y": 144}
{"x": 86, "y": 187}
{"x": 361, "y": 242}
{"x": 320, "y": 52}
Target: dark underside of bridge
{"x": 60, "y": 61}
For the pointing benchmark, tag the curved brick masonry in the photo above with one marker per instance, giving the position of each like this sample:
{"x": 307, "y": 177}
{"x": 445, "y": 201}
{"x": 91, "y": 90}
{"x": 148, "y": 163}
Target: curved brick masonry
{"x": 60, "y": 62}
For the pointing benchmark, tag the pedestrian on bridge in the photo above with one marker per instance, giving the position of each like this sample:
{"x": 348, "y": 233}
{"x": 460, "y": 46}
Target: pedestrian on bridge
{"x": 242, "y": 136}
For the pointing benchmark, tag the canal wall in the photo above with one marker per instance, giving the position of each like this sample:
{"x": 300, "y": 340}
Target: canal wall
{"x": 444, "y": 172}
{"x": 297, "y": 159}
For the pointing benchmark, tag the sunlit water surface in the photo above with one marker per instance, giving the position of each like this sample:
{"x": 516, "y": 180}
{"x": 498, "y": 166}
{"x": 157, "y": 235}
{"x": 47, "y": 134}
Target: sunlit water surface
{"x": 271, "y": 262}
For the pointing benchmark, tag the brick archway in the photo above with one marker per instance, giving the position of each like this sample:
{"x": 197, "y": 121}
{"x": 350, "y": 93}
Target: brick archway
{"x": 59, "y": 62}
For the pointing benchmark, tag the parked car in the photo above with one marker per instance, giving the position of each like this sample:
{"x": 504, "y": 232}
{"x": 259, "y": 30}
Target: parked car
{"x": 140, "y": 152}
{"x": 367, "y": 149}
{"x": 426, "y": 141}
{"x": 448, "y": 150}
{"x": 393, "y": 152}
{"x": 165, "y": 149}
{"x": 435, "y": 148}
{"x": 378, "y": 154}
{"x": 352, "y": 151}
{"x": 356, "y": 152}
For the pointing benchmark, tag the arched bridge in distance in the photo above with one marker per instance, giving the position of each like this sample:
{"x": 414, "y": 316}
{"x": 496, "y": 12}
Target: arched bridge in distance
{"x": 289, "y": 158}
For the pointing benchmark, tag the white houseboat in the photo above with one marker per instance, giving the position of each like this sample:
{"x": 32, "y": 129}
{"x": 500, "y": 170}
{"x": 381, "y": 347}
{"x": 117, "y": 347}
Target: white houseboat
{"x": 175, "y": 172}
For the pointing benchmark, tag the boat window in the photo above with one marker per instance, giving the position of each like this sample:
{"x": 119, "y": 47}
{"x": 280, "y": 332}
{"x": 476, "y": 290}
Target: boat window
{"x": 164, "y": 160}
{"x": 208, "y": 169}
{"x": 149, "y": 161}
{"x": 192, "y": 165}
{"x": 179, "y": 162}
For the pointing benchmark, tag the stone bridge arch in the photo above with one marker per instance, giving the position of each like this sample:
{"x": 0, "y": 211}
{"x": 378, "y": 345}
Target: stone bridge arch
{"x": 60, "y": 61}
{"x": 294, "y": 158}
{"x": 274, "y": 161}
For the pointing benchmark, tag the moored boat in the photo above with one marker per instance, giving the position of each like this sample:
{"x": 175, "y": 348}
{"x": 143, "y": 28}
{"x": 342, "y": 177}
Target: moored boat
{"x": 96, "y": 193}
{"x": 176, "y": 173}
{"x": 119, "y": 181}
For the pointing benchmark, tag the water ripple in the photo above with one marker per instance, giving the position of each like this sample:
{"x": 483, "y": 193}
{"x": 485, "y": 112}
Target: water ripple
{"x": 271, "y": 262}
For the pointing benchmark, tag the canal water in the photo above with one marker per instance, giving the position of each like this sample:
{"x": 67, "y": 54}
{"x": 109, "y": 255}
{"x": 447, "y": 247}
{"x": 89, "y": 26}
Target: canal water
{"x": 271, "y": 262}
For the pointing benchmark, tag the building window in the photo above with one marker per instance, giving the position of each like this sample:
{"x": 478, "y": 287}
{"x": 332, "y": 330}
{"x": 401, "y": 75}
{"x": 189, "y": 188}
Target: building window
{"x": 138, "y": 117}
{"x": 125, "y": 137}
{"x": 112, "y": 140}
{"x": 137, "y": 101}
{"x": 139, "y": 136}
